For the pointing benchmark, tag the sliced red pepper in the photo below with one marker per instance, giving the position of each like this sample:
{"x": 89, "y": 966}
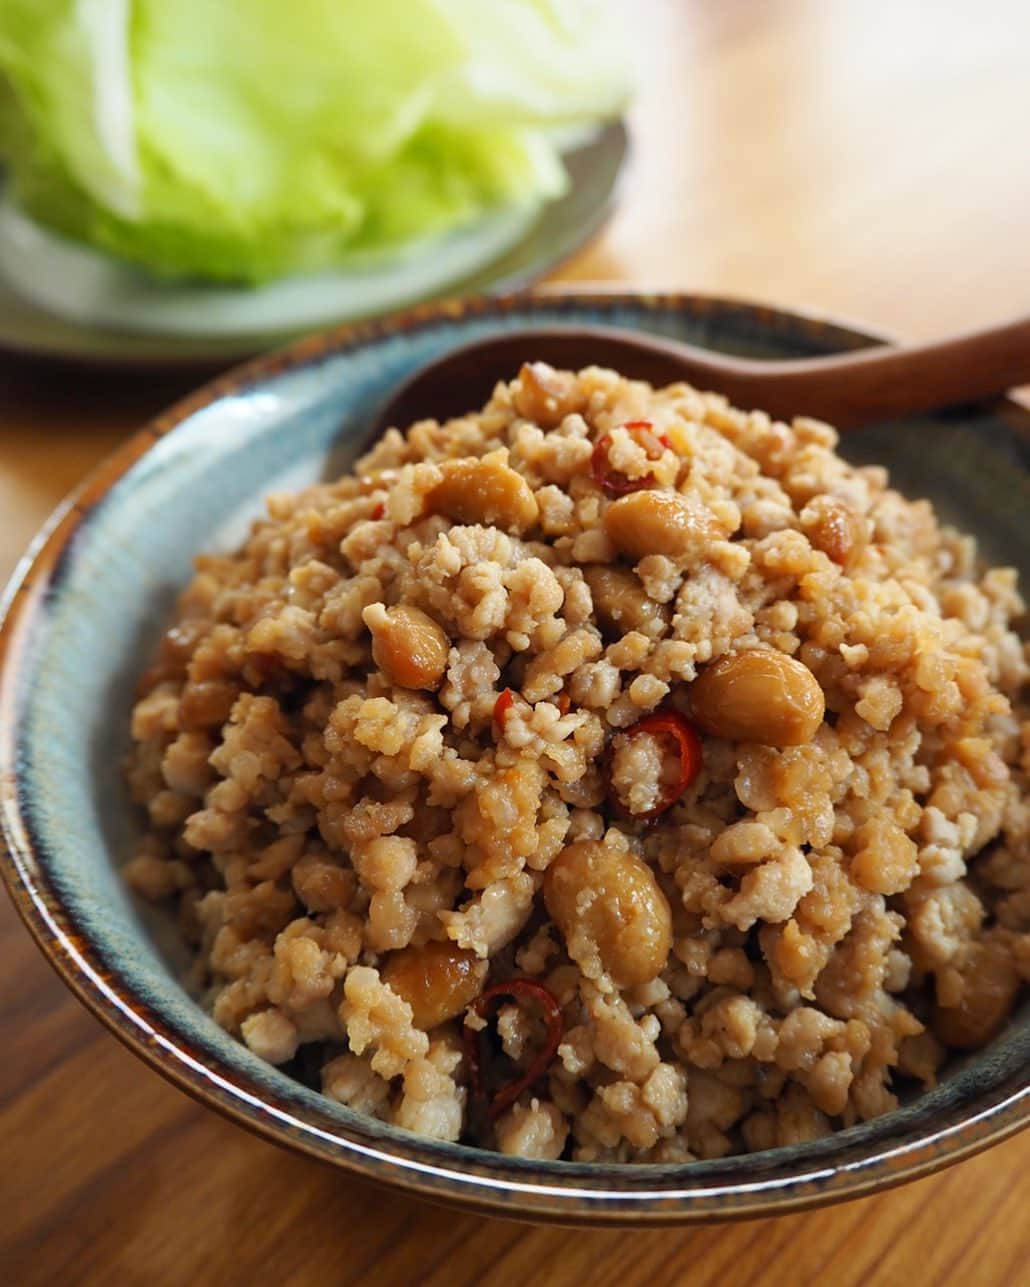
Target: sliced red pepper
{"x": 518, "y": 990}
{"x": 610, "y": 479}
{"x": 676, "y": 727}
{"x": 378, "y": 512}
{"x": 502, "y": 706}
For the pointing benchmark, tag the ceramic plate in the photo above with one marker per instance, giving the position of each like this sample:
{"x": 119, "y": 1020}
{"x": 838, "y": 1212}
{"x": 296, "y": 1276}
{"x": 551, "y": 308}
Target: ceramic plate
{"x": 503, "y": 254}
{"x": 84, "y": 617}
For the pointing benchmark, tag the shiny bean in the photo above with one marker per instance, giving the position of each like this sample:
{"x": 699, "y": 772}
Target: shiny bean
{"x": 621, "y": 603}
{"x": 485, "y": 491}
{"x": 657, "y": 522}
{"x": 438, "y": 980}
{"x": 834, "y": 527}
{"x": 546, "y": 396}
{"x": 758, "y": 696}
{"x": 610, "y": 910}
{"x": 407, "y": 645}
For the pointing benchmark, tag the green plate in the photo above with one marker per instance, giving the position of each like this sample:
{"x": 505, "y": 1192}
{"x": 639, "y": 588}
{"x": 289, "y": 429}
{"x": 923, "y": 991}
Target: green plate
{"x": 526, "y": 247}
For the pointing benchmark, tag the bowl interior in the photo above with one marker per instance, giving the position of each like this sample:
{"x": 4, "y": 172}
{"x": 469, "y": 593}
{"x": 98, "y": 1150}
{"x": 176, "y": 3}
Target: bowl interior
{"x": 92, "y": 620}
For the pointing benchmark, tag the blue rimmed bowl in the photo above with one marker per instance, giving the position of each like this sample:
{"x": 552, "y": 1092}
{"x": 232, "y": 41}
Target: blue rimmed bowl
{"x": 83, "y": 615}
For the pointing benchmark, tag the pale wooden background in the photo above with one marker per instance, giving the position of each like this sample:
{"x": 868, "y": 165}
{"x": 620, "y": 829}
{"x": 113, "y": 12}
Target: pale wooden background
{"x": 860, "y": 157}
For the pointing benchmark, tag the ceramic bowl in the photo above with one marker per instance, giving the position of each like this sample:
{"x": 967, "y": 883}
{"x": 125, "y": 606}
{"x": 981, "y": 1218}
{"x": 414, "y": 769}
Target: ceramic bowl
{"x": 84, "y": 614}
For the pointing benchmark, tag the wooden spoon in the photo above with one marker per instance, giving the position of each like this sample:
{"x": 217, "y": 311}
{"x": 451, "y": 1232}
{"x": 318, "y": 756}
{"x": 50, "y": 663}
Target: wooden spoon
{"x": 845, "y": 389}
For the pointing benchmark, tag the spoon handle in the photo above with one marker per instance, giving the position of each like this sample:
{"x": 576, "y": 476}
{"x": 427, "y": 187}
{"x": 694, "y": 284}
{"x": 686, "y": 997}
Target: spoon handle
{"x": 882, "y": 382}
{"x": 845, "y": 389}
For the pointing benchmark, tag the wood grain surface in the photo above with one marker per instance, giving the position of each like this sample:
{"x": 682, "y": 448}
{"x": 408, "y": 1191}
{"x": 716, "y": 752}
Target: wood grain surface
{"x": 862, "y": 159}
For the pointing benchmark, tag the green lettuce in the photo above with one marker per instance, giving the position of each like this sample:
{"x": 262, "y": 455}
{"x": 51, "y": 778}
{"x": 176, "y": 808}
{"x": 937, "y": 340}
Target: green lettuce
{"x": 242, "y": 140}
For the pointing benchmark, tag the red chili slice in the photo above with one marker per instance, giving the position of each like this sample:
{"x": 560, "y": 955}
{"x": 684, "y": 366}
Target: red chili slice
{"x": 617, "y": 484}
{"x": 378, "y": 512}
{"x": 518, "y": 989}
{"x": 502, "y": 706}
{"x": 669, "y": 724}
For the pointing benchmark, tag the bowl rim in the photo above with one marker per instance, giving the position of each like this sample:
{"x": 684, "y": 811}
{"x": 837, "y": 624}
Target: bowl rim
{"x": 495, "y": 1184}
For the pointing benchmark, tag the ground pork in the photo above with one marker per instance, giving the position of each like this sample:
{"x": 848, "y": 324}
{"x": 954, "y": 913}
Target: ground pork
{"x": 391, "y": 755}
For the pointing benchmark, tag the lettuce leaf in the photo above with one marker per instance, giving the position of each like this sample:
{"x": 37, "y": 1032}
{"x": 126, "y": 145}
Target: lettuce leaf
{"x": 242, "y": 140}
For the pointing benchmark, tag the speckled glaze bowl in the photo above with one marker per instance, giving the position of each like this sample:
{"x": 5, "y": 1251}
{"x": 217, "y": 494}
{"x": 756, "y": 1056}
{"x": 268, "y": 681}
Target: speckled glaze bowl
{"x": 83, "y": 615}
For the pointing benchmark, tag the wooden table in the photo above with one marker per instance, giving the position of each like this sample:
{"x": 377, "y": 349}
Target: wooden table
{"x": 864, "y": 159}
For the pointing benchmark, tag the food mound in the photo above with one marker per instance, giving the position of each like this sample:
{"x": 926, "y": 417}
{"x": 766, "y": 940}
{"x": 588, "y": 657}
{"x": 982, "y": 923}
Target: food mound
{"x": 609, "y": 775}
